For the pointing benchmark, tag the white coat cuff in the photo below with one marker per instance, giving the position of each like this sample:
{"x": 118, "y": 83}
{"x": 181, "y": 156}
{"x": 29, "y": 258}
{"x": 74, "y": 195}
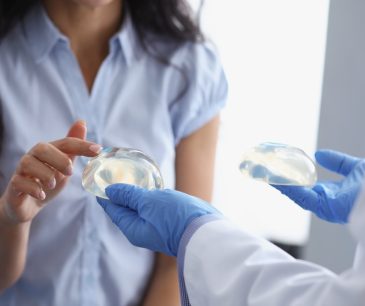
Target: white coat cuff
{"x": 189, "y": 232}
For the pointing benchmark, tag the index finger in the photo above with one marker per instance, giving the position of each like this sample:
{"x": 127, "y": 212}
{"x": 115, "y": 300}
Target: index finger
{"x": 125, "y": 195}
{"x": 77, "y": 146}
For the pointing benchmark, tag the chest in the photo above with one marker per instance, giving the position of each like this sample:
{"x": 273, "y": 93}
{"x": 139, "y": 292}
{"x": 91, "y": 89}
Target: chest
{"x": 128, "y": 107}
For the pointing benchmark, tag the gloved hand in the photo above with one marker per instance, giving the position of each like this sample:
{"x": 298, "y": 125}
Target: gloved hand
{"x": 155, "y": 219}
{"x": 331, "y": 200}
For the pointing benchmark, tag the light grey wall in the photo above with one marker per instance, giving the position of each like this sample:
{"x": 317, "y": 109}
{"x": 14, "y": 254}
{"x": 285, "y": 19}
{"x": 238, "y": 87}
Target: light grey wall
{"x": 342, "y": 119}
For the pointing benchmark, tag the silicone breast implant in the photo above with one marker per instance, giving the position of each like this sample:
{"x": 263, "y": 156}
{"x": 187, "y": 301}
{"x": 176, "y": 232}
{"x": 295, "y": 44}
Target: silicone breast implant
{"x": 120, "y": 165}
{"x": 279, "y": 164}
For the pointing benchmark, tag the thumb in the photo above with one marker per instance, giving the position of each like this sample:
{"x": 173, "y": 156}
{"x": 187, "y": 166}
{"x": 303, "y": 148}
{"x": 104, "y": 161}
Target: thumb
{"x": 336, "y": 161}
{"x": 77, "y": 130}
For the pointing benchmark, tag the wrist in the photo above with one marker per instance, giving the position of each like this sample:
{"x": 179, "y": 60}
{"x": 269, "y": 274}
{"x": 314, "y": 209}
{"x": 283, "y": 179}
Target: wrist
{"x": 3, "y": 217}
{"x": 6, "y": 221}
{"x": 10, "y": 228}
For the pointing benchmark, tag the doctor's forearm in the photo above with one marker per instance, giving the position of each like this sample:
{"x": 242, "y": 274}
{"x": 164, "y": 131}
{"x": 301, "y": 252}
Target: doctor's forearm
{"x": 252, "y": 271}
{"x": 13, "y": 248}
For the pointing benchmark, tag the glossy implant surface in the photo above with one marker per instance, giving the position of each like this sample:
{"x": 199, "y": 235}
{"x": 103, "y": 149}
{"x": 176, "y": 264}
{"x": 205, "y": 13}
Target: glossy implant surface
{"x": 120, "y": 165}
{"x": 279, "y": 164}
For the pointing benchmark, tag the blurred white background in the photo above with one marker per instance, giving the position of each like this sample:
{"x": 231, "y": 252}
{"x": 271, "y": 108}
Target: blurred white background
{"x": 273, "y": 55}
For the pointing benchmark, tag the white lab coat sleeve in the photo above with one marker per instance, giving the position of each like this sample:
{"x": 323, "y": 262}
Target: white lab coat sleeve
{"x": 222, "y": 265}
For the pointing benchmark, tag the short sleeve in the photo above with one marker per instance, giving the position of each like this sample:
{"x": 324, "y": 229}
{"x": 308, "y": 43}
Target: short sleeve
{"x": 205, "y": 93}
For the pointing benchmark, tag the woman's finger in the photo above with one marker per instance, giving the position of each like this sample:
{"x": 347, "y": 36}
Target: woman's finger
{"x": 77, "y": 130}
{"x": 76, "y": 146}
{"x": 24, "y": 185}
{"x": 49, "y": 154}
{"x": 32, "y": 167}
{"x": 56, "y": 154}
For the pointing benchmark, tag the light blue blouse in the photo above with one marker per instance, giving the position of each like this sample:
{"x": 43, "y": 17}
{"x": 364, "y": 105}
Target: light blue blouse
{"x": 76, "y": 256}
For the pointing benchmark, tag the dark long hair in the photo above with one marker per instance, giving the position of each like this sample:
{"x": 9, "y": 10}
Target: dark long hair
{"x": 171, "y": 19}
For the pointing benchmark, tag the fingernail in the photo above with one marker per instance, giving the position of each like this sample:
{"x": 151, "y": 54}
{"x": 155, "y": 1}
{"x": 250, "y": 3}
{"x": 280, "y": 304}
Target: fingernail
{"x": 69, "y": 170}
{"x": 42, "y": 195}
{"x": 52, "y": 184}
{"x": 95, "y": 148}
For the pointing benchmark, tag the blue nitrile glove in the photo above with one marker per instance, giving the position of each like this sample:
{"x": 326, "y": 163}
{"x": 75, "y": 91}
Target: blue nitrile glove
{"x": 331, "y": 200}
{"x": 154, "y": 219}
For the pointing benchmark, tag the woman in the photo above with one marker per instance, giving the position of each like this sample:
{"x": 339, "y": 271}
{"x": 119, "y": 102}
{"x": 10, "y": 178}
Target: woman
{"x": 138, "y": 73}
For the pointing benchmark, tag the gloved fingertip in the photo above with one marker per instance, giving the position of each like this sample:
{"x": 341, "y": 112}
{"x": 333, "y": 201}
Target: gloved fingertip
{"x": 124, "y": 194}
{"x": 112, "y": 191}
{"x": 109, "y": 191}
{"x": 319, "y": 153}
{"x": 103, "y": 202}
{"x": 324, "y": 154}
{"x": 281, "y": 188}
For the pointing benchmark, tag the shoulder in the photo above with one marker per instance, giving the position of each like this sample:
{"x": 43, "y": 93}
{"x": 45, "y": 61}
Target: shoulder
{"x": 199, "y": 62}
{"x": 205, "y": 88}
{"x": 187, "y": 54}
{"x": 192, "y": 55}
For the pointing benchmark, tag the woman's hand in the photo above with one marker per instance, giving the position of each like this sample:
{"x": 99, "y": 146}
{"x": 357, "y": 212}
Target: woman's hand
{"x": 42, "y": 173}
